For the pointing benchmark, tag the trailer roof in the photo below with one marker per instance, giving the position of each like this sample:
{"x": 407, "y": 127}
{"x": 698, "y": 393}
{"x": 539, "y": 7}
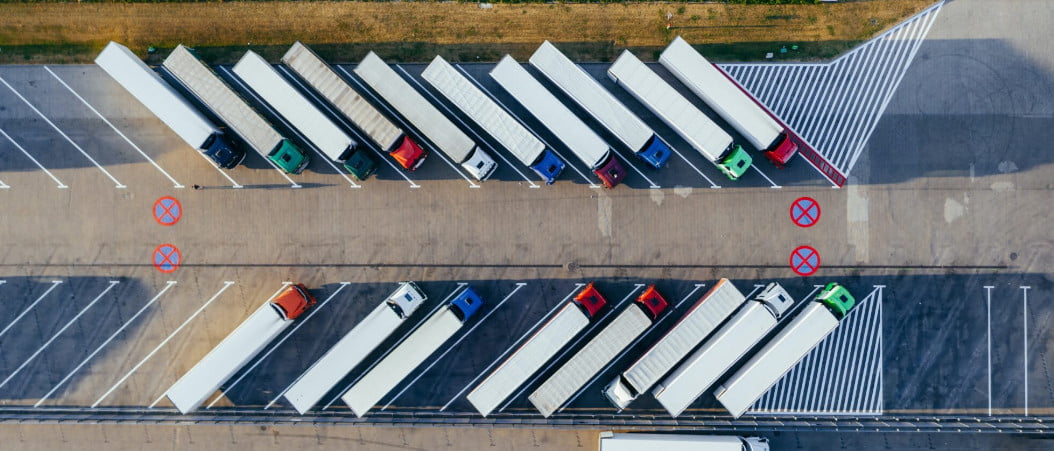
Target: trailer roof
{"x": 338, "y": 92}
{"x": 718, "y": 91}
{"x": 483, "y": 110}
{"x": 222, "y": 100}
{"x": 415, "y": 108}
{"x": 587, "y": 92}
{"x": 655, "y": 93}
{"x": 158, "y": 96}
{"x": 567, "y": 127}
{"x": 292, "y": 105}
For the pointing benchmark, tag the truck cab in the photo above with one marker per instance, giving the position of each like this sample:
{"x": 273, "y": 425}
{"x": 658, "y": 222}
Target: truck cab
{"x": 406, "y": 299}
{"x": 549, "y": 166}
{"x": 735, "y": 163}
{"x": 837, "y": 299}
{"x": 289, "y": 157}
{"x": 293, "y": 302}
{"x": 479, "y": 165}
{"x": 408, "y": 153}
{"x": 781, "y": 153}
{"x": 655, "y": 152}
{"x": 652, "y": 301}
{"x": 222, "y": 152}
{"x": 775, "y": 299}
{"x": 610, "y": 172}
{"x": 361, "y": 165}
{"x": 466, "y": 304}
{"x": 590, "y": 300}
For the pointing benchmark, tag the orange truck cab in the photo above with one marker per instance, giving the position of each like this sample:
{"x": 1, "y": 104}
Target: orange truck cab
{"x": 293, "y": 301}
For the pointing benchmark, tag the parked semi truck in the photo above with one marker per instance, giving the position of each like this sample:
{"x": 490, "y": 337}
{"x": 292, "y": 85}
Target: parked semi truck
{"x": 700, "y": 320}
{"x": 730, "y": 343}
{"x": 677, "y": 112}
{"x": 493, "y": 119}
{"x": 424, "y": 116}
{"x": 729, "y": 100}
{"x": 353, "y": 348}
{"x": 318, "y": 129}
{"x": 598, "y": 352}
{"x": 601, "y": 104}
{"x": 568, "y": 128}
{"x": 537, "y": 350}
{"x": 388, "y": 137}
{"x": 412, "y": 352}
{"x": 235, "y": 351}
{"x": 791, "y": 344}
{"x": 679, "y": 442}
{"x": 232, "y": 109}
{"x": 168, "y": 105}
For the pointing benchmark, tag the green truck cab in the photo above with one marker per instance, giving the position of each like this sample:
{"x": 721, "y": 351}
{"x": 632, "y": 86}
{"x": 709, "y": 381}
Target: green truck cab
{"x": 736, "y": 163}
{"x": 837, "y": 299}
{"x": 289, "y": 157}
{"x": 361, "y": 165}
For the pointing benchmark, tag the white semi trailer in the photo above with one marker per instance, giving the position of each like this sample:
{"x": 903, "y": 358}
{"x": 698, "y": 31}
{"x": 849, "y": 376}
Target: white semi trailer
{"x": 411, "y": 353}
{"x": 728, "y": 345}
{"x": 232, "y": 109}
{"x": 424, "y": 116}
{"x": 679, "y": 442}
{"x": 808, "y": 328}
{"x": 388, "y": 137}
{"x": 353, "y": 348}
{"x": 568, "y": 128}
{"x": 168, "y": 105}
{"x": 702, "y": 318}
{"x": 601, "y": 104}
{"x": 730, "y": 101}
{"x": 598, "y": 352}
{"x": 235, "y": 351}
{"x": 536, "y": 351}
{"x": 676, "y": 111}
{"x": 497, "y": 122}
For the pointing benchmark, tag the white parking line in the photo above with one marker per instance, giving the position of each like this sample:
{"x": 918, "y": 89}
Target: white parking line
{"x": 696, "y": 169}
{"x": 64, "y": 135}
{"x": 273, "y": 347}
{"x": 451, "y": 347}
{"x": 654, "y": 327}
{"x": 54, "y": 283}
{"x": 1024, "y": 316}
{"x": 119, "y": 133}
{"x": 347, "y": 125}
{"x": 464, "y": 126}
{"x": 226, "y": 285}
{"x": 524, "y": 124}
{"x": 406, "y": 126}
{"x": 47, "y": 395}
{"x": 500, "y": 358}
{"x": 4, "y": 185}
{"x": 988, "y": 305}
{"x": 774, "y": 185}
{"x": 56, "y": 335}
{"x": 441, "y": 304}
{"x": 259, "y": 101}
{"x": 573, "y": 346}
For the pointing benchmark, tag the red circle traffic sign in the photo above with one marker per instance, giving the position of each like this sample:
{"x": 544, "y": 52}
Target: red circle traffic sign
{"x": 167, "y": 211}
{"x": 804, "y": 260}
{"x": 167, "y": 258}
{"x": 805, "y": 212}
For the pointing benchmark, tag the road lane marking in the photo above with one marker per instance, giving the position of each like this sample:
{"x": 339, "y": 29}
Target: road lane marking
{"x": 54, "y": 283}
{"x": 168, "y": 285}
{"x": 34, "y": 160}
{"x": 119, "y": 133}
{"x": 64, "y": 135}
{"x": 988, "y": 305}
{"x": 1024, "y": 316}
{"x": 226, "y": 285}
{"x": 56, "y": 335}
{"x": 451, "y": 347}
{"x": 515, "y": 345}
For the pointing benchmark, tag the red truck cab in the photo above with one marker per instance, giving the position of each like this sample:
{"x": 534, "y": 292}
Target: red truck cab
{"x": 590, "y": 299}
{"x": 652, "y": 302}
{"x": 782, "y": 151}
{"x": 409, "y": 154}
{"x": 294, "y": 301}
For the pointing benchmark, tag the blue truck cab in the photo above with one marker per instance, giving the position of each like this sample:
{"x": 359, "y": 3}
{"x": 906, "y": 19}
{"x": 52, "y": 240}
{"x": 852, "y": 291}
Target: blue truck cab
{"x": 466, "y": 304}
{"x": 220, "y": 150}
{"x": 655, "y": 152}
{"x": 549, "y": 166}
